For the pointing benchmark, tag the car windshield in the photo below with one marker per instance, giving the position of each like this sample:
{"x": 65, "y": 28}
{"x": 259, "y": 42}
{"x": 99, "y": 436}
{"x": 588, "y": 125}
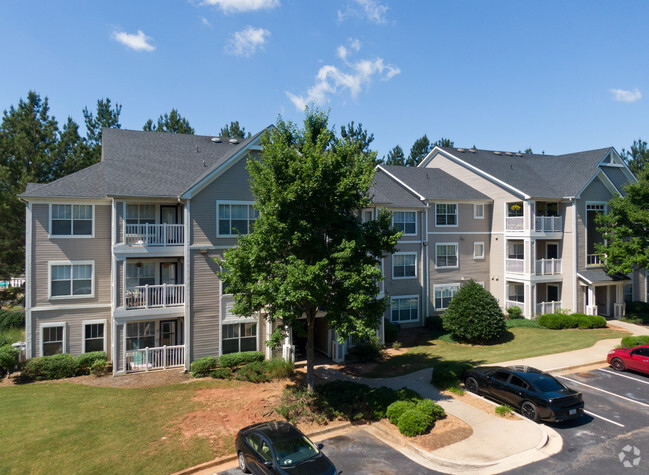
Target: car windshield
{"x": 294, "y": 450}
{"x": 547, "y": 384}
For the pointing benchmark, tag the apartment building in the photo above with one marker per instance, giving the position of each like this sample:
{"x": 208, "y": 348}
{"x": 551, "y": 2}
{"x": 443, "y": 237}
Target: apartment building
{"x": 119, "y": 256}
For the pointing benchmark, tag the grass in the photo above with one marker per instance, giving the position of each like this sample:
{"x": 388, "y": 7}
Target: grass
{"x": 503, "y": 410}
{"x": 13, "y": 335}
{"x": 520, "y": 342}
{"x": 73, "y": 428}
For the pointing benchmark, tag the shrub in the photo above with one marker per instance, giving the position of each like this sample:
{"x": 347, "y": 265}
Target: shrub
{"x": 413, "y": 422}
{"x": 448, "y": 374}
{"x": 514, "y": 312}
{"x": 366, "y": 351}
{"x": 232, "y": 360}
{"x": 397, "y": 409}
{"x": 98, "y": 367}
{"x": 639, "y": 310}
{"x": 202, "y": 367}
{"x": 407, "y": 394}
{"x": 10, "y": 320}
{"x": 474, "y": 316}
{"x": 254, "y": 372}
{"x": 279, "y": 368}
{"x": 397, "y": 345}
{"x": 59, "y": 366}
{"x": 630, "y": 341}
{"x": 429, "y": 408}
{"x": 390, "y": 331}
{"x": 85, "y": 361}
{"x": 3, "y": 341}
{"x": 522, "y": 322}
{"x": 435, "y": 323}
{"x": 503, "y": 410}
{"x": 296, "y": 404}
{"x": 589, "y": 321}
{"x": 557, "y": 321}
{"x": 221, "y": 373}
{"x": 8, "y": 358}
{"x": 378, "y": 401}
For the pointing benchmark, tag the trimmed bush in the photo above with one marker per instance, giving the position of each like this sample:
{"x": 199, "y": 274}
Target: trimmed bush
{"x": 221, "y": 373}
{"x": 407, "y": 394}
{"x": 379, "y": 399}
{"x": 85, "y": 361}
{"x": 10, "y": 320}
{"x": 557, "y": 321}
{"x": 589, "y": 321}
{"x": 202, "y": 367}
{"x": 8, "y": 358}
{"x": 474, "y": 315}
{"x": 397, "y": 409}
{"x": 99, "y": 367}
{"x": 514, "y": 312}
{"x": 435, "y": 323}
{"x": 413, "y": 422}
{"x": 390, "y": 331}
{"x": 522, "y": 322}
{"x": 58, "y": 366}
{"x": 448, "y": 374}
{"x": 429, "y": 408}
{"x": 631, "y": 341}
{"x": 254, "y": 372}
{"x": 232, "y": 360}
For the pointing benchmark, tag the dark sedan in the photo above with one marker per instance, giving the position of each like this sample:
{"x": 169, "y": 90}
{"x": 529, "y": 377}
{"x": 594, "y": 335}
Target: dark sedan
{"x": 635, "y": 359}
{"x": 537, "y": 395}
{"x": 279, "y": 447}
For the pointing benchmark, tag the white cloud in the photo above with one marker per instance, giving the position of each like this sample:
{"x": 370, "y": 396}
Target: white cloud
{"x": 370, "y": 10}
{"x": 238, "y": 6}
{"x": 138, "y": 42}
{"x": 206, "y": 22}
{"x": 622, "y": 95}
{"x": 246, "y": 41}
{"x": 332, "y": 80}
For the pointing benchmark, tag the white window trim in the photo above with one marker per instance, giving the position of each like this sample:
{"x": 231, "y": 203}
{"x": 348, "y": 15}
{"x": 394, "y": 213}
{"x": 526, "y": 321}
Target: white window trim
{"x": 408, "y": 276}
{"x": 93, "y": 322}
{"x": 443, "y": 286}
{"x": 476, "y": 256}
{"x": 457, "y": 216}
{"x": 405, "y": 211}
{"x": 228, "y": 202}
{"x": 398, "y": 297}
{"x": 477, "y": 206}
{"x": 70, "y": 236}
{"x": 457, "y": 254}
{"x": 69, "y": 263}
{"x": 52, "y": 325}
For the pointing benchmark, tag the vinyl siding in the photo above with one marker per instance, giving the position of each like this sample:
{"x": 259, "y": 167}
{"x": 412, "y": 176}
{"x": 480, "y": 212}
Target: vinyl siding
{"x": 205, "y": 310}
{"x": 119, "y": 221}
{"x": 119, "y": 347}
{"x": 74, "y": 327}
{"x": 466, "y": 222}
{"x": 596, "y": 191}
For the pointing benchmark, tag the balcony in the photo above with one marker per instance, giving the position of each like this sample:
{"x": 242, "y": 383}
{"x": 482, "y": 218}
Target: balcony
{"x": 515, "y": 223}
{"x": 594, "y": 260}
{"x": 155, "y": 296}
{"x": 547, "y": 307}
{"x": 154, "y": 234}
{"x": 548, "y": 224}
{"x": 548, "y": 266}
{"x": 148, "y": 359}
{"x": 516, "y": 266}
{"x": 514, "y": 303}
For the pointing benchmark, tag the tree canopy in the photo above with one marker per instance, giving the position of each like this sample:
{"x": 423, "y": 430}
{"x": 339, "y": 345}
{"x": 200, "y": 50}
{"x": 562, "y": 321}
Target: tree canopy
{"x": 309, "y": 249}
{"x": 418, "y": 151}
{"x": 234, "y": 130}
{"x": 637, "y": 157}
{"x": 395, "y": 156}
{"x": 105, "y": 116}
{"x": 172, "y": 122}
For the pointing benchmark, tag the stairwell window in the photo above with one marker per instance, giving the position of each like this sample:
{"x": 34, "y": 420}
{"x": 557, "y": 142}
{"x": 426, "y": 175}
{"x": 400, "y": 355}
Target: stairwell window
{"x": 446, "y": 255}
{"x": 446, "y": 214}
{"x": 405, "y": 221}
{"x": 235, "y": 217}
{"x": 71, "y": 220}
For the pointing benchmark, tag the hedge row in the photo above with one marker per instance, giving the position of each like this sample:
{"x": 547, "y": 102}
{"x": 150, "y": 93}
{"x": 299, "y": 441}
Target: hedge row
{"x": 65, "y": 365}
{"x": 8, "y": 358}
{"x": 631, "y": 341}
{"x": 414, "y": 418}
{"x": 560, "y": 321}
{"x": 250, "y": 366}
{"x": 10, "y": 320}
{"x": 202, "y": 367}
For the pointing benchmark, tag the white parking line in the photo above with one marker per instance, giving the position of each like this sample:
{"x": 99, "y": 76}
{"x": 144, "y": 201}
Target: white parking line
{"x": 623, "y": 375}
{"x": 603, "y": 418}
{"x": 607, "y": 392}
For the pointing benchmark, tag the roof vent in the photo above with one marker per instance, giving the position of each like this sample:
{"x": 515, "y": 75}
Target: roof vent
{"x": 509, "y": 153}
{"x": 460, "y": 150}
{"x": 234, "y": 141}
{"x": 519, "y": 154}
{"x": 472, "y": 150}
{"x": 498, "y": 153}
{"x": 216, "y": 139}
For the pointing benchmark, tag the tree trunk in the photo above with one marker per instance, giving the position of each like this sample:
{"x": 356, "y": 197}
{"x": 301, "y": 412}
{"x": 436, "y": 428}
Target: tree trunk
{"x": 310, "y": 349}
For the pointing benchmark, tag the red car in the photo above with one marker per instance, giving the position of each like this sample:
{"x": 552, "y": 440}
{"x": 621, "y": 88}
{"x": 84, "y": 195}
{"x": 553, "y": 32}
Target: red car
{"x": 636, "y": 359}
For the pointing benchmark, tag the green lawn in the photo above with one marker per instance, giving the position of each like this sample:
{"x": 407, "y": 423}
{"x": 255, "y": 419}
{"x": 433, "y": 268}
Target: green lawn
{"x": 521, "y": 342}
{"x": 72, "y": 428}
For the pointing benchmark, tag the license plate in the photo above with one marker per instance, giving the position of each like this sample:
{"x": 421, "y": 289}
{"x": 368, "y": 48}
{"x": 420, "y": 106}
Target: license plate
{"x": 572, "y": 411}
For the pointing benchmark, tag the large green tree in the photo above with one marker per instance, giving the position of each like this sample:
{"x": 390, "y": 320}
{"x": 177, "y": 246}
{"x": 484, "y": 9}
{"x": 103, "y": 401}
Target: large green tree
{"x": 234, "y": 130}
{"x": 359, "y": 136}
{"x": 625, "y": 228}
{"x": 418, "y": 151}
{"x": 106, "y": 115}
{"x": 308, "y": 249}
{"x": 395, "y": 156}
{"x": 637, "y": 157}
{"x": 172, "y": 122}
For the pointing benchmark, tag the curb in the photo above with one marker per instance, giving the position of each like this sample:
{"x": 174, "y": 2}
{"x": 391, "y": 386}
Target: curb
{"x": 564, "y": 369}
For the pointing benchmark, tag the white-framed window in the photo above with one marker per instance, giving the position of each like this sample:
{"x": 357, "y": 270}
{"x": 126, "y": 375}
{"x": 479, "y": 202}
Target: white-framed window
{"x": 478, "y": 211}
{"x": 445, "y": 214}
{"x": 238, "y": 337}
{"x": 94, "y": 335}
{"x": 404, "y": 308}
{"x": 235, "y": 217}
{"x": 367, "y": 215}
{"x": 404, "y": 265}
{"x": 516, "y": 250}
{"x": 478, "y": 250}
{"x": 140, "y": 335}
{"x": 140, "y": 214}
{"x": 443, "y": 294}
{"x": 68, "y": 220}
{"x": 446, "y": 254}
{"x": 53, "y": 338}
{"x": 139, "y": 273}
{"x": 405, "y": 221}
{"x": 71, "y": 279}
{"x": 516, "y": 292}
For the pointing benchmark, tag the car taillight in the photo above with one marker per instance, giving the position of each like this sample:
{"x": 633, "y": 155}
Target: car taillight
{"x": 611, "y": 352}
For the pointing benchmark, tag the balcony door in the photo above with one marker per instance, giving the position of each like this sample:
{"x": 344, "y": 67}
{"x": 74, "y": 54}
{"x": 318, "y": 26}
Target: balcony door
{"x": 168, "y": 332}
{"x": 169, "y": 214}
{"x": 552, "y": 250}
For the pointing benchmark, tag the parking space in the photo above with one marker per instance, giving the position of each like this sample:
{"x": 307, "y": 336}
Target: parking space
{"x": 613, "y": 434}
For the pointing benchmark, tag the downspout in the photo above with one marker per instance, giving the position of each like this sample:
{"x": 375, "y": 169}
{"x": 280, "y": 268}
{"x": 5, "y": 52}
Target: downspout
{"x": 113, "y": 283}
{"x": 575, "y": 260}
{"x": 28, "y": 281}
{"x": 187, "y": 264}
{"x": 425, "y": 263}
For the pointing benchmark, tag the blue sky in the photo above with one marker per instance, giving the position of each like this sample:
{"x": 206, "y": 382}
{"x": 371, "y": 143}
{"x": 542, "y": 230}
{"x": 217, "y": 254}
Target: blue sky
{"x": 556, "y": 76}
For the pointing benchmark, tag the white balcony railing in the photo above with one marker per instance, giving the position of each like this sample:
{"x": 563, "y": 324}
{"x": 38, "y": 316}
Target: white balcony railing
{"x": 547, "y": 307}
{"x": 155, "y": 296}
{"x": 619, "y": 310}
{"x": 154, "y": 358}
{"x": 154, "y": 234}
{"x": 548, "y": 266}
{"x": 514, "y": 223}
{"x": 594, "y": 259}
{"x": 548, "y": 224}
{"x": 591, "y": 310}
{"x": 515, "y": 265}
{"x": 514, "y": 303}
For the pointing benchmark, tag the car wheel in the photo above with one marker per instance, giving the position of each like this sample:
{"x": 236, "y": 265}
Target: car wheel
{"x": 618, "y": 364}
{"x": 472, "y": 385}
{"x": 529, "y": 411}
{"x": 243, "y": 466}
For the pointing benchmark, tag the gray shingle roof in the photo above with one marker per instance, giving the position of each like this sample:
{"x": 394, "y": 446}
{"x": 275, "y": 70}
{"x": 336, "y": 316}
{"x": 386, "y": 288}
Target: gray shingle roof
{"x": 87, "y": 183}
{"x": 540, "y": 176}
{"x": 599, "y": 275}
{"x": 434, "y": 183}
{"x": 386, "y": 191}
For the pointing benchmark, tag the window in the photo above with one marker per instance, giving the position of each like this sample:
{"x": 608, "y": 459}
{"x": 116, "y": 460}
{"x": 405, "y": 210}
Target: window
{"x": 446, "y": 255}
{"x": 139, "y": 274}
{"x": 515, "y": 209}
{"x": 71, "y": 220}
{"x": 518, "y": 382}
{"x": 71, "y": 279}
{"x": 405, "y": 221}
{"x": 478, "y": 211}
{"x": 478, "y": 250}
{"x": 500, "y": 376}
{"x": 444, "y": 294}
{"x": 93, "y": 338}
{"x": 140, "y": 214}
{"x": 235, "y": 218}
{"x": 405, "y": 309}
{"x": 516, "y": 250}
{"x": 446, "y": 214}
{"x": 140, "y": 335}
{"x": 404, "y": 265}
{"x": 517, "y": 292}
{"x": 628, "y": 293}
{"x": 53, "y": 339}
{"x": 367, "y": 216}
{"x": 239, "y": 337}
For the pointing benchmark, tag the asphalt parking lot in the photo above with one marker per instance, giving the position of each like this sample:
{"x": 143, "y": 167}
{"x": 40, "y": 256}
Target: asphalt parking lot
{"x": 613, "y": 434}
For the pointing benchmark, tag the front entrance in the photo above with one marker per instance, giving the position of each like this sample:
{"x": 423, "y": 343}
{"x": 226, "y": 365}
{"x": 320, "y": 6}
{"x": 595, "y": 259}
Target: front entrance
{"x": 601, "y": 300}
{"x": 320, "y": 338}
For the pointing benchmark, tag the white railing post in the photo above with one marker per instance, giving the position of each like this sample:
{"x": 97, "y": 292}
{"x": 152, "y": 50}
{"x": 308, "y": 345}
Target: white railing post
{"x": 164, "y": 356}
{"x": 146, "y": 296}
{"x": 163, "y": 297}
{"x": 146, "y": 358}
